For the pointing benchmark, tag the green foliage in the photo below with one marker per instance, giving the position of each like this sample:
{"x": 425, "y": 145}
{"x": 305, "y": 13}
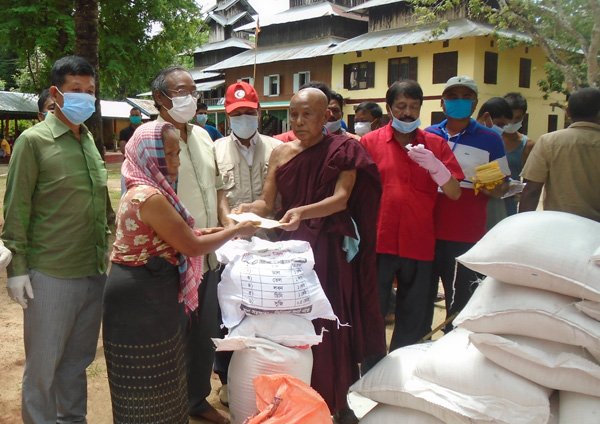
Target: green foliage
{"x": 137, "y": 38}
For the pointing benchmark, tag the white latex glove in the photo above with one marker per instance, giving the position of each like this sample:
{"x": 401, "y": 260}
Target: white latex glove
{"x": 426, "y": 159}
{"x": 18, "y": 287}
{"x": 5, "y": 256}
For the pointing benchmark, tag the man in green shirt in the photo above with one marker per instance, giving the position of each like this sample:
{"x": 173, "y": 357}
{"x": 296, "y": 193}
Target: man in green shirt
{"x": 55, "y": 227}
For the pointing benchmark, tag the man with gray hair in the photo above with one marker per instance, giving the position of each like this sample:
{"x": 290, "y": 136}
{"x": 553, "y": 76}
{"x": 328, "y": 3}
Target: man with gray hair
{"x": 565, "y": 162}
{"x": 199, "y": 188}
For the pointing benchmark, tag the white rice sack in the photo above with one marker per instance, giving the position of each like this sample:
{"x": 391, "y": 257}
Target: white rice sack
{"x": 455, "y": 375}
{"x": 499, "y": 308}
{"x": 596, "y": 256}
{"x": 575, "y": 408}
{"x": 389, "y": 414}
{"x": 263, "y": 277}
{"x": 263, "y": 357}
{"x": 547, "y": 250}
{"x": 549, "y": 364}
{"x": 284, "y": 329}
{"x": 589, "y": 308}
{"x": 391, "y": 380}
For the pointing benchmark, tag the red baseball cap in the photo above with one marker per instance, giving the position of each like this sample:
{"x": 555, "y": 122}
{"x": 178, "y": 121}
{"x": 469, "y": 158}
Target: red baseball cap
{"x": 240, "y": 94}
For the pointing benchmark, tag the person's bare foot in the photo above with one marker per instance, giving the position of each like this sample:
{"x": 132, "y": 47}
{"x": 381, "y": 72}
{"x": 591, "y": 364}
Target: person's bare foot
{"x": 213, "y": 415}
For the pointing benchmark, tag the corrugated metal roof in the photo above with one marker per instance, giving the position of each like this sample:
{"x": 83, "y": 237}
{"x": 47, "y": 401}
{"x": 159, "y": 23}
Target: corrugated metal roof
{"x": 230, "y": 3}
{"x": 199, "y": 75}
{"x": 362, "y": 8}
{"x": 112, "y": 109}
{"x": 146, "y": 106}
{"x": 321, "y": 47}
{"x": 14, "y": 102}
{"x": 312, "y": 11}
{"x": 209, "y": 85}
{"x": 459, "y": 28}
{"x": 230, "y": 42}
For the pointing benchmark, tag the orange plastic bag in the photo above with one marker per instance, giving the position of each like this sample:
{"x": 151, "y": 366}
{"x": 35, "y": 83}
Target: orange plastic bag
{"x": 283, "y": 399}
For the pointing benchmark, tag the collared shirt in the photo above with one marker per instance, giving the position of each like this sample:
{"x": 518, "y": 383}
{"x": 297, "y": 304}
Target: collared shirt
{"x": 247, "y": 152}
{"x": 568, "y": 163}
{"x": 198, "y": 179}
{"x": 55, "y": 203}
{"x": 405, "y": 224}
{"x": 464, "y": 219}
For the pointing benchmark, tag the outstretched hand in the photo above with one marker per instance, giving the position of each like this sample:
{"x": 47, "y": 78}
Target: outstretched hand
{"x": 291, "y": 220}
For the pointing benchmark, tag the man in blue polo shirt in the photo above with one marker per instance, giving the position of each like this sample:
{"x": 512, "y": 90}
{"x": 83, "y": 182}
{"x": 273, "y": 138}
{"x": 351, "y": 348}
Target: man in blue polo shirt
{"x": 460, "y": 224}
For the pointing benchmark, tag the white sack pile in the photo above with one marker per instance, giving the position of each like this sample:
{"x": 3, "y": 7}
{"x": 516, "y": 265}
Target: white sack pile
{"x": 527, "y": 345}
{"x": 268, "y": 294}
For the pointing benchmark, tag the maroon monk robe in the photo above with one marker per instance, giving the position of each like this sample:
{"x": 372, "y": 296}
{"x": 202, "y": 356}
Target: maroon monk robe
{"x": 351, "y": 288}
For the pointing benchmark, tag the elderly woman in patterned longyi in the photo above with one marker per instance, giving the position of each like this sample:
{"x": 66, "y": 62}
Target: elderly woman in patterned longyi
{"x": 156, "y": 267}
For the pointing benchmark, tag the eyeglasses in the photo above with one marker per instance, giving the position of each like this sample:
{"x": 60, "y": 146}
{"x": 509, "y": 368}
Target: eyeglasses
{"x": 183, "y": 92}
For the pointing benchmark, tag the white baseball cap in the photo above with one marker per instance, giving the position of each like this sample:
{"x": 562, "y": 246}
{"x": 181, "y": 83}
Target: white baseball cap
{"x": 461, "y": 82}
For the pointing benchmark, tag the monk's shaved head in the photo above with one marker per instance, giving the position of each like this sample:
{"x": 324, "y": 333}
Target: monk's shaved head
{"x": 311, "y": 95}
{"x": 308, "y": 114}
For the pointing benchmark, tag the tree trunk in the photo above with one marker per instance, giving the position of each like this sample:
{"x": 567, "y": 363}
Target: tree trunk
{"x": 86, "y": 46}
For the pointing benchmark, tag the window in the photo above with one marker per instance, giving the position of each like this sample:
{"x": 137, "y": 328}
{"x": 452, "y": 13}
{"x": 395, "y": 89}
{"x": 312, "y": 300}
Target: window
{"x": 445, "y": 66}
{"x": 525, "y": 73}
{"x": 437, "y": 117}
{"x": 249, "y": 80}
{"x": 552, "y": 123}
{"x": 300, "y": 79}
{"x": 358, "y": 76}
{"x": 271, "y": 85}
{"x": 402, "y": 68}
{"x": 490, "y": 68}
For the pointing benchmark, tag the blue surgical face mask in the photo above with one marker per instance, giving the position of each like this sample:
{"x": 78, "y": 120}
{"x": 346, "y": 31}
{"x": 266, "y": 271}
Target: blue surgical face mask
{"x": 244, "y": 126}
{"x": 333, "y": 126}
{"x": 77, "y": 107}
{"x": 201, "y": 119}
{"x": 405, "y": 127}
{"x": 458, "y": 108}
{"x": 135, "y": 120}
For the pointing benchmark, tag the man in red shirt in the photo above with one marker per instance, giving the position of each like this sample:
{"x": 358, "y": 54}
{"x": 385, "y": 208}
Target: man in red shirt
{"x": 414, "y": 166}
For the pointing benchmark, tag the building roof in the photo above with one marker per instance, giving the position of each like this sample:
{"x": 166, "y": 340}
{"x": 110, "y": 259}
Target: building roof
{"x": 223, "y": 21}
{"x": 459, "y": 28}
{"x": 146, "y": 106}
{"x": 321, "y": 47}
{"x": 312, "y": 11}
{"x": 229, "y": 43}
{"x": 230, "y": 3}
{"x": 362, "y": 8}
{"x": 112, "y": 109}
{"x": 209, "y": 85}
{"x": 200, "y": 75}
{"x": 12, "y": 102}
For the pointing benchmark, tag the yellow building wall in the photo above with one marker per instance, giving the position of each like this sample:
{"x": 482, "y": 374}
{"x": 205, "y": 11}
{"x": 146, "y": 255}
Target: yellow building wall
{"x": 471, "y": 54}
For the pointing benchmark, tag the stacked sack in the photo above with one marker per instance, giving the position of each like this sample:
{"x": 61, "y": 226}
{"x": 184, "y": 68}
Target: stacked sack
{"x": 268, "y": 295}
{"x": 527, "y": 345}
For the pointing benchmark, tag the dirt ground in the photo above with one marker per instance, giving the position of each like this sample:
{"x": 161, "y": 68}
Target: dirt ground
{"x": 12, "y": 354}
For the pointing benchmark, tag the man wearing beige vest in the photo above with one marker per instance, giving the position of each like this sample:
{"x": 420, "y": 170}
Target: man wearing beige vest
{"x": 243, "y": 159}
{"x": 243, "y": 156}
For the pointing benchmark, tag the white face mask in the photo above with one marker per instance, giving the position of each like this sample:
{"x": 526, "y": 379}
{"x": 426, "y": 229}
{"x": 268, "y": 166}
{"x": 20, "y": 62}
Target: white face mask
{"x": 244, "y": 126}
{"x": 513, "y": 127}
{"x": 184, "y": 108}
{"x": 333, "y": 126}
{"x": 362, "y": 128}
{"x": 498, "y": 130}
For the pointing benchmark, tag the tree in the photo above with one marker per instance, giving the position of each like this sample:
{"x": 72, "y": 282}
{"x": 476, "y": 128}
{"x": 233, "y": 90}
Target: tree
{"x": 568, "y": 31}
{"x": 136, "y": 38}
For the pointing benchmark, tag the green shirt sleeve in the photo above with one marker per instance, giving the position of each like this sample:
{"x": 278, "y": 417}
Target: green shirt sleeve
{"x": 20, "y": 185}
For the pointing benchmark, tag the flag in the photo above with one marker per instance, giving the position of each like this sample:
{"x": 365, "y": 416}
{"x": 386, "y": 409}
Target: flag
{"x": 257, "y": 30}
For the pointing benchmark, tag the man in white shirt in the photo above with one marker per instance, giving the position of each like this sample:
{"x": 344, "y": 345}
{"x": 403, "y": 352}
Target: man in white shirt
{"x": 199, "y": 188}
